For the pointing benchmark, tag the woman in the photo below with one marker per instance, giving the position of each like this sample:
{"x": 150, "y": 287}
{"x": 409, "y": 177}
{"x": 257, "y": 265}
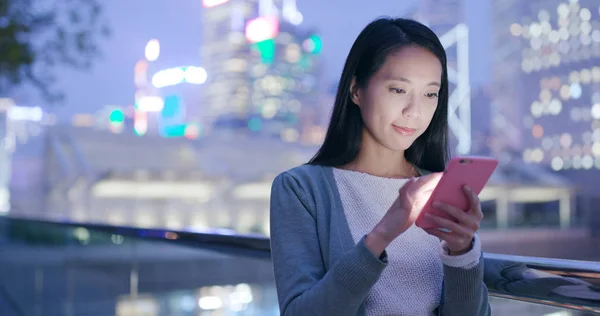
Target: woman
{"x": 342, "y": 235}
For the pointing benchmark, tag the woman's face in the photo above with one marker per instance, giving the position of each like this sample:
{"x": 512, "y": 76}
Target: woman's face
{"x": 398, "y": 102}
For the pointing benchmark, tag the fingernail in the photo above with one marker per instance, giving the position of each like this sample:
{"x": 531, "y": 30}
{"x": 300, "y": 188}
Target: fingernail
{"x": 467, "y": 188}
{"x": 428, "y": 215}
{"x": 437, "y": 204}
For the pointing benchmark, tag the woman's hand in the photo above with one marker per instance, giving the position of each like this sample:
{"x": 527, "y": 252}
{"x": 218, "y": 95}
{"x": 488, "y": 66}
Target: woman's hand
{"x": 459, "y": 232}
{"x": 403, "y": 213}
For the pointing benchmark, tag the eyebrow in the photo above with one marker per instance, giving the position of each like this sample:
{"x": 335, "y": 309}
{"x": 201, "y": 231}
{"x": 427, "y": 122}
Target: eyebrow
{"x": 433, "y": 83}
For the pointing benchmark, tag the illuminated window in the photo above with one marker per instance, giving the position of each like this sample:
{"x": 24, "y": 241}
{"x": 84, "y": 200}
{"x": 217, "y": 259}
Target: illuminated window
{"x": 565, "y": 92}
{"x": 537, "y": 155}
{"x": 596, "y": 149}
{"x": 293, "y": 53}
{"x": 537, "y": 131}
{"x": 595, "y": 112}
{"x": 262, "y": 29}
{"x": 516, "y": 30}
{"x": 557, "y": 163}
{"x": 537, "y": 109}
{"x": 566, "y": 140}
{"x": 289, "y": 135}
{"x": 555, "y": 107}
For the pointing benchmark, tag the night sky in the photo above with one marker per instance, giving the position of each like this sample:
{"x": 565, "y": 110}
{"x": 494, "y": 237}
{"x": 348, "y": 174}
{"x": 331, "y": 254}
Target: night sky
{"x": 177, "y": 24}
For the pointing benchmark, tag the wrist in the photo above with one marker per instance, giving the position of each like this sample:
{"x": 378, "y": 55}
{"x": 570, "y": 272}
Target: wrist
{"x": 376, "y": 242}
{"x": 458, "y": 252}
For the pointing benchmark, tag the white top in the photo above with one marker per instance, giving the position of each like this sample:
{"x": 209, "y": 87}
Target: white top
{"x": 411, "y": 284}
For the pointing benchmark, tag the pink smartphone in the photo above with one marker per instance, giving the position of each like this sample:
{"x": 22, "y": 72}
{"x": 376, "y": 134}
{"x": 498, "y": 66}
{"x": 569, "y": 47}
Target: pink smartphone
{"x": 473, "y": 171}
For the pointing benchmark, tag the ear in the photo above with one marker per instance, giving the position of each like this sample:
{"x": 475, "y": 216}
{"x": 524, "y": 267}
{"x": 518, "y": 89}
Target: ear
{"x": 354, "y": 92}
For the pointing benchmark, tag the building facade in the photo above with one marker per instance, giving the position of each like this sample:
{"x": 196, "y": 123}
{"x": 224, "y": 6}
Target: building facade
{"x": 262, "y": 68}
{"x": 561, "y": 83}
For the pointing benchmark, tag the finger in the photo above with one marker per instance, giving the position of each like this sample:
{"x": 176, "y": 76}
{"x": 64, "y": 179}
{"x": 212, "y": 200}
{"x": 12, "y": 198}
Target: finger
{"x": 449, "y": 238}
{"x": 464, "y": 218}
{"x": 439, "y": 233}
{"x": 475, "y": 204}
{"x": 454, "y": 227}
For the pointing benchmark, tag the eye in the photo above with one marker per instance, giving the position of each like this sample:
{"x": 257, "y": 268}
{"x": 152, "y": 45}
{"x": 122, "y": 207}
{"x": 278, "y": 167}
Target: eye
{"x": 398, "y": 90}
{"x": 431, "y": 95}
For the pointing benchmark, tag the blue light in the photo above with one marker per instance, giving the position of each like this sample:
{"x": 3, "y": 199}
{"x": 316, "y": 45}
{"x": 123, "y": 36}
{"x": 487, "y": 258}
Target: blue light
{"x": 255, "y": 124}
{"x": 172, "y": 106}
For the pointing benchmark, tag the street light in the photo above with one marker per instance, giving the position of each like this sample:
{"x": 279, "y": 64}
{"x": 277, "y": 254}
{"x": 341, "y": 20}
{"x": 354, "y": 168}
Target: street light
{"x": 177, "y": 75}
{"x": 152, "y": 50}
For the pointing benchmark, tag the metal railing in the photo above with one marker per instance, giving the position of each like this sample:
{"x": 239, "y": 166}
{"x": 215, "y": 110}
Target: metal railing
{"x": 567, "y": 284}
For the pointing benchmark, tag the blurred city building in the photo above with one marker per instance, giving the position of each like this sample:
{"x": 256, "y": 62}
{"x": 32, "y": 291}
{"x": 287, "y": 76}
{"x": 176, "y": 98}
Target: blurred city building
{"x": 560, "y": 54}
{"x": 263, "y": 69}
{"x": 6, "y": 149}
{"x": 93, "y": 175}
{"x": 21, "y": 128}
{"x": 506, "y": 86}
{"x": 166, "y": 100}
{"x": 546, "y": 91}
{"x": 152, "y": 164}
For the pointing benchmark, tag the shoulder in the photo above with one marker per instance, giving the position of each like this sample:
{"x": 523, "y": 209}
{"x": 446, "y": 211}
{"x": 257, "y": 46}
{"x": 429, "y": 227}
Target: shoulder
{"x": 305, "y": 176}
{"x": 306, "y": 182}
{"x": 304, "y": 173}
{"x": 299, "y": 188}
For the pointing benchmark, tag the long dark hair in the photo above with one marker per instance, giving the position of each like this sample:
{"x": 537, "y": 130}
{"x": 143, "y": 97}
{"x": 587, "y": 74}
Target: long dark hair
{"x": 369, "y": 51}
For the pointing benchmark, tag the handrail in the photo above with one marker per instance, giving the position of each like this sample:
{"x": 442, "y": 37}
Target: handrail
{"x": 568, "y": 284}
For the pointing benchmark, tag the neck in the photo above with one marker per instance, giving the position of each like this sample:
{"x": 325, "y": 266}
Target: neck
{"x": 377, "y": 160}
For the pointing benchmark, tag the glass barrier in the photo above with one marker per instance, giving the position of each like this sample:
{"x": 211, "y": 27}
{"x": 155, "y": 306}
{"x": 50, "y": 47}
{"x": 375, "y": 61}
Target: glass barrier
{"x": 50, "y": 269}
{"x": 72, "y": 269}
{"x": 503, "y": 306}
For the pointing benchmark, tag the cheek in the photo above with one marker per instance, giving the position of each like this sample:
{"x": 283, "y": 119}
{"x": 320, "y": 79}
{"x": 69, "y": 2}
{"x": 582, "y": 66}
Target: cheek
{"x": 428, "y": 108}
{"x": 379, "y": 115}
{"x": 374, "y": 110}
{"x": 427, "y": 114}
{"x": 431, "y": 111}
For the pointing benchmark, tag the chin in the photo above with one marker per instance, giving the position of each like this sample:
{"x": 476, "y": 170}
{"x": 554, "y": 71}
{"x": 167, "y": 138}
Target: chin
{"x": 400, "y": 146}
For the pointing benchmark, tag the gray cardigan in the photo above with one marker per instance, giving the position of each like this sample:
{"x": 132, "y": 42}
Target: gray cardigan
{"x": 320, "y": 270}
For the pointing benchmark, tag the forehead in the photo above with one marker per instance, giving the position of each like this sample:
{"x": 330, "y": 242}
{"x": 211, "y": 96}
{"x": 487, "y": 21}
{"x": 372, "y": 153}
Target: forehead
{"x": 412, "y": 62}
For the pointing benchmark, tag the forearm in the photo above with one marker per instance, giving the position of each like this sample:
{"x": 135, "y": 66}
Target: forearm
{"x": 343, "y": 288}
{"x": 465, "y": 292}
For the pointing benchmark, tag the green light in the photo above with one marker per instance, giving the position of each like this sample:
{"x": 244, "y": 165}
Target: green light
{"x": 173, "y": 131}
{"x": 317, "y": 44}
{"x": 117, "y": 116}
{"x": 267, "y": 50}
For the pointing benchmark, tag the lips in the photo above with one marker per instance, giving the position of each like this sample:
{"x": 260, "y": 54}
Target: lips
{"x": 404, "y": 131}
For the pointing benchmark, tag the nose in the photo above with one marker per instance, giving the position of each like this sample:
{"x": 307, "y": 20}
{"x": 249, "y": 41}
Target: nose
{"x": 411, "y": 110}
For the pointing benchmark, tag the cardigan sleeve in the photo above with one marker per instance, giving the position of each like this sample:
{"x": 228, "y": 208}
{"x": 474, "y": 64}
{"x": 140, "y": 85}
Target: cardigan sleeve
{"x": 304, "y": 287}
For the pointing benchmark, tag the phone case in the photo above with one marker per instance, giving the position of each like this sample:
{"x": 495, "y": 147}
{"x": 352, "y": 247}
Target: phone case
{"x": 473, "y": 171}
